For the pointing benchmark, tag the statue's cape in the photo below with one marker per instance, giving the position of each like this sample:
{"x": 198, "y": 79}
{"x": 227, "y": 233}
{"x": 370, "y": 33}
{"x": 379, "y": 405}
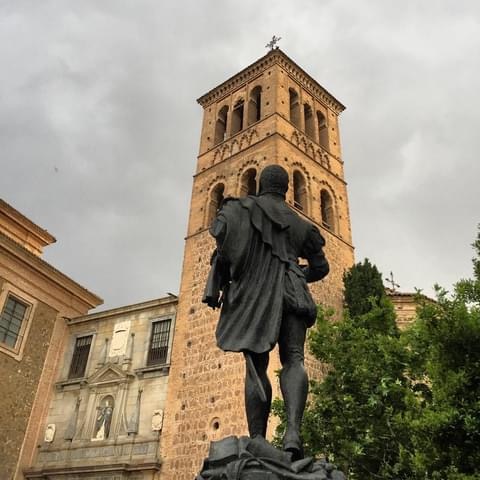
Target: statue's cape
{"x": 253, "y": 240}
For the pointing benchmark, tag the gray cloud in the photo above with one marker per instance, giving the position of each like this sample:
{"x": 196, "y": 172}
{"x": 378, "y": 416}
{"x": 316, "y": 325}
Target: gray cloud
{"x": 99, "y": 126}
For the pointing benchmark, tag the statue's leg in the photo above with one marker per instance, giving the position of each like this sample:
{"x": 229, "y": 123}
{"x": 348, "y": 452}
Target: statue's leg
{"x": 257, "y": 410}
{"x": 293, "y": 380}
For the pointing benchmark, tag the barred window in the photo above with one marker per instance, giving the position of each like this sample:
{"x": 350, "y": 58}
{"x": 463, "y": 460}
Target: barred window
{"x": 80, "y": 357}
{"x": 13, "y": 315}
{"x": 158, "y": 349}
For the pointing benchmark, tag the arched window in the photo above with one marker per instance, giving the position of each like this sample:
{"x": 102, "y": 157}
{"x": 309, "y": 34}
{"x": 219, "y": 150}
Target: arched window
{"x": 326, "y": 206}
{"x": 322, "y": 130}
{"x": 216, "y": 199}
{"x": 294, "y": 107}
{"x": 248, "y": 183}
{"x": 237, "y": 117}
{"x": 255, "y": 105}
{"x": 309, "y": 124}
{"x": 221, "y": 125}
{"x": 299, "y": 191}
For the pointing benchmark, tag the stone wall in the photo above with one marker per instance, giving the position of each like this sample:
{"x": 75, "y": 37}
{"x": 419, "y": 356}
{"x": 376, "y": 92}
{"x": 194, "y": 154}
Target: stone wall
{"x": 19, "y": 384}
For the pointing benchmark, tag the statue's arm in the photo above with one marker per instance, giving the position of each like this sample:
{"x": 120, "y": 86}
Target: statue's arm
{"x": 218, "y": 276}
{"x": 318, "y": 266}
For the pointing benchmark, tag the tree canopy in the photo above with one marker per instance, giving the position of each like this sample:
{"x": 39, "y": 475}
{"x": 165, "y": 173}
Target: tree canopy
{"x": 398, "y": 405}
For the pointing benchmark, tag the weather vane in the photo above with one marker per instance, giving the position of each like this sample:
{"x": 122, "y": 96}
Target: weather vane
{"x": 273, "y": 42}
{"x": 392, "y": 282}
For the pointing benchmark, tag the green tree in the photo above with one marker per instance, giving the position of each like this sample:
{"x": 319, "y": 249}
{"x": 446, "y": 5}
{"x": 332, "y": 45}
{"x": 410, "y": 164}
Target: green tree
{"x": 444, "y": 346}
{"x": 355, "y": 414}
{"x": 397, "y": 406}
{"x": 363, "y": 282}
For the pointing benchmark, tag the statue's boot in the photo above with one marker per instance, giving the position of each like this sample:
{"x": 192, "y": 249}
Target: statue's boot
{"x": 292, "y": 443}
{"x": 294, "y": 386}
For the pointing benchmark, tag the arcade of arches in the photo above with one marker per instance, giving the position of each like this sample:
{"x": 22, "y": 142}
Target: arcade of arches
{"x": 249, "y": 186}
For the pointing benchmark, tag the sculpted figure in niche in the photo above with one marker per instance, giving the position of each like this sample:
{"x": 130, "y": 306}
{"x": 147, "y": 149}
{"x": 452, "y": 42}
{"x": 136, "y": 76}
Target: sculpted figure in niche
{"x": 50, "y": 433}
{"x": 103, "y": 419}
{"x": 262, "y": 290}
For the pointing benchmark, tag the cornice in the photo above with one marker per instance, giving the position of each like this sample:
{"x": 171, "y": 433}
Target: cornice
{"x": 148, "y": 305}
{"x": 101, "y": 468}
{"x": 276, "y": 56}
{"x": 41, "y": 234}
{"x": 43, "y": 268}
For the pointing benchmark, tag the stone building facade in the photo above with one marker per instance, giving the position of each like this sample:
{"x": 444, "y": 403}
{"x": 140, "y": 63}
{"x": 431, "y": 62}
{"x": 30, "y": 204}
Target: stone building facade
{"x": 272, "y": 112}
{"x": 405, "y": 305}
{"x": 106, "y": 414}
{"x": 35, "y": 302}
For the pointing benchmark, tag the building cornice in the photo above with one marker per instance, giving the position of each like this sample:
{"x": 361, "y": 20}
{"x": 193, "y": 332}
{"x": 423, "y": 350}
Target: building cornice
{"x": 18, "y": 227}
{"x": 275, "y": 56}
{"x": 40, "y": 266}
{"x": 159, "y": 302}
{"x": 69, "y": 471}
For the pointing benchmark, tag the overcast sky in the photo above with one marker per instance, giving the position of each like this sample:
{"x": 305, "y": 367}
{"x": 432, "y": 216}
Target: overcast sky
{"x": 99, "y": 125}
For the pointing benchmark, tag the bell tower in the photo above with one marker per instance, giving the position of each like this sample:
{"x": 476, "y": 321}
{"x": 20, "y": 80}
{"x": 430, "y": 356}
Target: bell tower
{"x": 270, "y": 112}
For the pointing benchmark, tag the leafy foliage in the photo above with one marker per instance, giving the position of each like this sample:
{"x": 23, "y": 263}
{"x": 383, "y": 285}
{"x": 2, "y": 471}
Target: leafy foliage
{"x": 355, "y": 413}
{"x": 363, "y": 282}
{"x": 444, "y": 346}
{"x": 398, "y": 405}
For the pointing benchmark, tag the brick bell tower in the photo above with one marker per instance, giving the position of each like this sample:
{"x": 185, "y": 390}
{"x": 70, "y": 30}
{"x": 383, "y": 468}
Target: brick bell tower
{"x": 270, "y": 112}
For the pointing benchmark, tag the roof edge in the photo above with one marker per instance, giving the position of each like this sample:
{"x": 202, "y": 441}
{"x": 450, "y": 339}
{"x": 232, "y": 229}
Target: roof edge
{"x": 134, "y": 307}
{"x": 273, "y": 56}
{"x": 43, "y": 235}
{"x": 49, "y": 271}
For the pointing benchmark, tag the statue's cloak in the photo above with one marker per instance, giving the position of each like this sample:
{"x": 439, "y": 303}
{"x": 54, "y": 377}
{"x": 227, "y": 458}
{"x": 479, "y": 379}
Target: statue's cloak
{"x": 254, "y": 252}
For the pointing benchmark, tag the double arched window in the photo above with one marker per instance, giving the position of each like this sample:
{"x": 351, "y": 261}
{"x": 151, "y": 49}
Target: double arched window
{"x": 238, "y": 114}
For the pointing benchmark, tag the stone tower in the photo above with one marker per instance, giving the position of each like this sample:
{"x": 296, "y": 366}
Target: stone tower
{"x": 270, "y": 112}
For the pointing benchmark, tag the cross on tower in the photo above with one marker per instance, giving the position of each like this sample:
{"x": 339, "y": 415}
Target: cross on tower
{"x": 272, "y": 43}
{"x": 392, "y": 282}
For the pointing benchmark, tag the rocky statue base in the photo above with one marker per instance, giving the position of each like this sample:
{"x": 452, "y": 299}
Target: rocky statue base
{"x": 245, "y": 458}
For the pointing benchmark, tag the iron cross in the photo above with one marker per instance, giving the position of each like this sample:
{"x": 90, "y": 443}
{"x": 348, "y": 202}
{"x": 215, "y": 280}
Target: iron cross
{"x": 272, "y": 43}
{"x": 392, "y": 282}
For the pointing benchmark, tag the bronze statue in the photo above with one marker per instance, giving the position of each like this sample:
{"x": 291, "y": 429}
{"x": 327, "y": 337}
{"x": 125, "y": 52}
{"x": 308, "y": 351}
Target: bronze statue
{"x": 262, "y": 290}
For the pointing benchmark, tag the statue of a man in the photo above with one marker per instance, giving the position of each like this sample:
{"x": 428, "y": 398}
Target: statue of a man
{"x": 262, "y": 290}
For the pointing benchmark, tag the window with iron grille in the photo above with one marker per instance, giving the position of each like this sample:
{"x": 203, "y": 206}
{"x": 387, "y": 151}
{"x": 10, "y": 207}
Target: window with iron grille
{"x": 13, "y": 315}
{"x": 158, "y": 349}
{"x": 80, "y": 357}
